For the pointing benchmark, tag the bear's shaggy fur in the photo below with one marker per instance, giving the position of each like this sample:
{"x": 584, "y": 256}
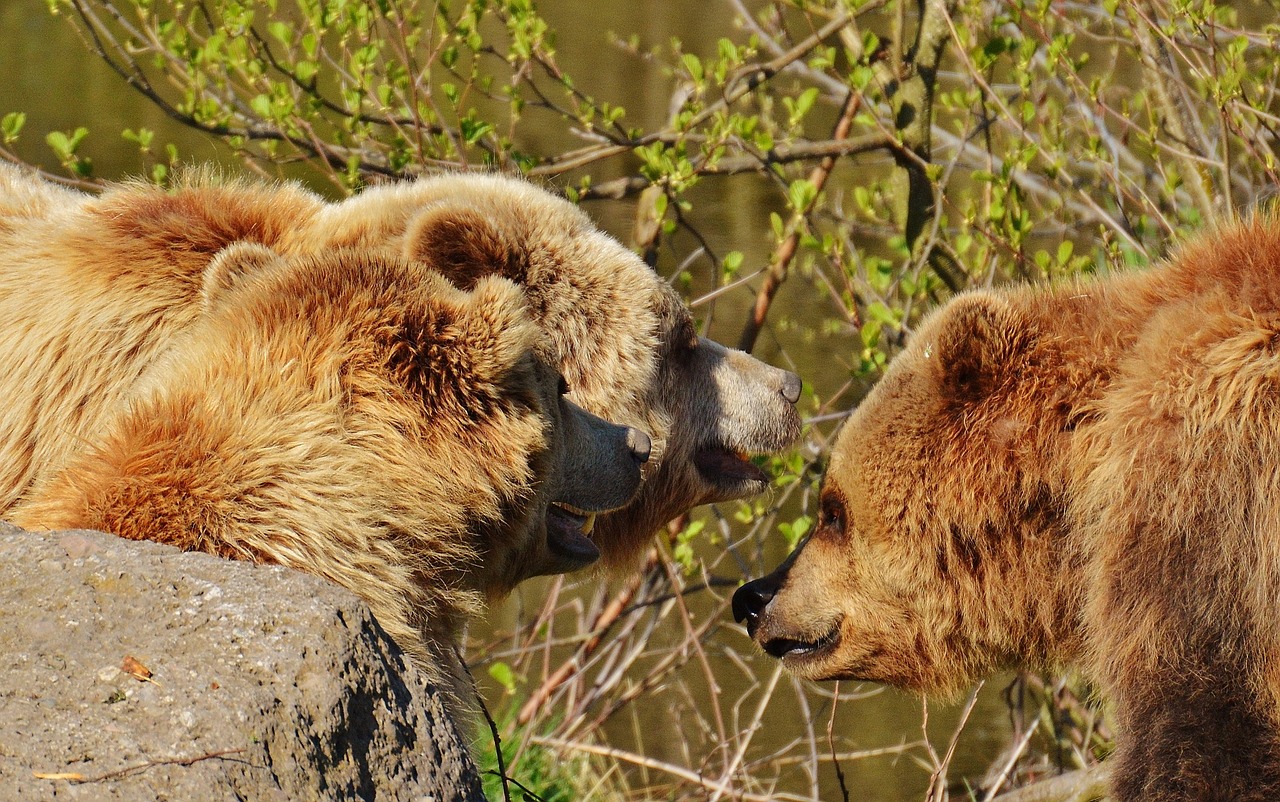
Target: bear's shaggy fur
{"x": 351, "y": 414}
{"x": 625, "y": 341}
{"x": 1086, "y": 475}
{"x": 93, "y": 290}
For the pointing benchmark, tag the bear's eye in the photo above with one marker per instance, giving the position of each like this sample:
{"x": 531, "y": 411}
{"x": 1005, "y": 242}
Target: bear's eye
{"x": 831, "y": 516}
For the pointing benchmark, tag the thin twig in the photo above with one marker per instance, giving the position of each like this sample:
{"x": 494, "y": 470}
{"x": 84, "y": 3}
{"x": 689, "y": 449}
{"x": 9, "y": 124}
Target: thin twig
{"x": 599, "y": 628}
{"x": 781, "y": 263}
{"x": 744, "y": 738}
{"x": 831, "y": 743}
{"x": 937, "y": 781}
{"x": 80, "y": 779}
{"x": 647, "y": 762}
{"x": 1010, "y": 763}
{"x": 493, "y": 726}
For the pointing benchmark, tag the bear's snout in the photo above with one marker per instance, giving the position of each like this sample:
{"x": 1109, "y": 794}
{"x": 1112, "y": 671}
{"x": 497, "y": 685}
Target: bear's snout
{"x": 639, "y": 444}
{"x": 750, "y": 600}
{"x": 791, "y": 387}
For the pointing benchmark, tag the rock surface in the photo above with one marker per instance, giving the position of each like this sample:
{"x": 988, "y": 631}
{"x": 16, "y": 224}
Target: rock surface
{"x": 266, "y": 684}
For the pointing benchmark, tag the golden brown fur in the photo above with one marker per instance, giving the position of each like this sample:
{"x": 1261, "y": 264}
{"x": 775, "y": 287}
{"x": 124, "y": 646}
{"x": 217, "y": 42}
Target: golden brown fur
{"x": 278, "y": 430}
{"x": 624, "y": 340}
{"x": 63, "y": 256}
{"x": 350, "y": 413}
{"x": 1085, "y": 475}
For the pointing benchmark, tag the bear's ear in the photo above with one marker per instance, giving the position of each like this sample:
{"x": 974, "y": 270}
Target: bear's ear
{"x": 462, "y": 243}
{"x": 232, "y": 263}
{"x": 981, "y": 341}
{"x": 464, "y": 349}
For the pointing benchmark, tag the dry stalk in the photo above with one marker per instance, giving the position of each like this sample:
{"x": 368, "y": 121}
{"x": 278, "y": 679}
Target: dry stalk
{"x": 79, "y": 779}
{"x": 599, "y": 628}
{"x": 744, "y": 738}
{"x": 938, "y": 780}
{"x": 647, "y": 762}
{"x": 780, "y": 266}
{"x": 1082, "y": 785}
{"x": 831, "y": 725}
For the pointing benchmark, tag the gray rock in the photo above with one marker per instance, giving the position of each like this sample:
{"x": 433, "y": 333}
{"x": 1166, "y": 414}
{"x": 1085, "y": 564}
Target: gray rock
{"x": 266, "y": 684}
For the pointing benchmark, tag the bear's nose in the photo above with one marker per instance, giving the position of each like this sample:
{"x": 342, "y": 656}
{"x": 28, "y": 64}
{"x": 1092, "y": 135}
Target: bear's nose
{"x": 791, "y": 387}
{"x": 639, "y": 444}
{"x": 750, "y": 600}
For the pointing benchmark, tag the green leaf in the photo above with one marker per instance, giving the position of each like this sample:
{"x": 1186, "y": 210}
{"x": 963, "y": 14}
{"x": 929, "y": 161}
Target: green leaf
{"x": 732, "y": 262}
{"x": 775, "y": 222}
{"x": 801, "y": 194}
{"x": 504, "y": 676}
{"x": 11, "y": 125}
{"x": 281, "y": 32}
{"x": 682, "y": 551}
{"x": 472, "y": 129}
{"x": 795, "y": 530}
{"x": 261, "y": 105}
{"x": 305, "y": 70}
{"x": 694, "y": 65}
{"x": 142, "y": 137}
{"x": 860, "y": 77}
{"x": 879, "y": 312}
{"x": 660, "y": 202}
{"x": 64, "y": 145}
{"x": 869, "y": 333}
{"x": 803, "y": 103}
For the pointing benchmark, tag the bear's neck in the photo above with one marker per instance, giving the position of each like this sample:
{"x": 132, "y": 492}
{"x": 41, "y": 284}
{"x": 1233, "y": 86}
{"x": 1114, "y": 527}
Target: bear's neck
{"x": 1086, "y": 330}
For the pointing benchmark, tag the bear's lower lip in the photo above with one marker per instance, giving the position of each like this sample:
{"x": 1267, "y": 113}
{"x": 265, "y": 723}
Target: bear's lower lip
{"x": 788, "y": 648}
{"x": 567, "y": 533}
{"x": 722, "y": 467}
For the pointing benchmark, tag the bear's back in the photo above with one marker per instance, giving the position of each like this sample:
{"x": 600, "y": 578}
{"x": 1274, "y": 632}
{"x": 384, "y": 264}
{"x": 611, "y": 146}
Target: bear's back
{"x": 93, "y": 289}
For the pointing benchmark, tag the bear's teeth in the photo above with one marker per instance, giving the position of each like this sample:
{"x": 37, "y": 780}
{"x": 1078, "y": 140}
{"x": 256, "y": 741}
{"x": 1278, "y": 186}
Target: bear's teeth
{"x": 590, "y": 524}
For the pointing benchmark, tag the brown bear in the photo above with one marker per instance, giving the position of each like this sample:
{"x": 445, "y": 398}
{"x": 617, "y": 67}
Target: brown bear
{"x": 626, "y": 343}
{"x": 1086, "y": 475}
{"x": 93, "y": 290}
{"x": 349, "y": 414}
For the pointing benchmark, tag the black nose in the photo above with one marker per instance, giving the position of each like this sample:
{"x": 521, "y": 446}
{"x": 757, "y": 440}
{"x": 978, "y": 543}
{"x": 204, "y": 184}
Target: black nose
{"x": 750, "y": 600}
{"x": 791, "y": 387}
{"x": 640, "y": 444}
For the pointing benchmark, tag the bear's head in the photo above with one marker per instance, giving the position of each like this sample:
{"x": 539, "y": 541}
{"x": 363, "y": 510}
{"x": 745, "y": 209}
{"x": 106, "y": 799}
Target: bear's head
{"x": 625, "y": 342}
{"x": 359, "y": 417}
{"x": 940, "y": 551}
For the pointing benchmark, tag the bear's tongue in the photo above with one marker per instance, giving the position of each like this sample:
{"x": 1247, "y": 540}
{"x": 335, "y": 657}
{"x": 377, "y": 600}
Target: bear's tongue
{"x": 567, "y": 534}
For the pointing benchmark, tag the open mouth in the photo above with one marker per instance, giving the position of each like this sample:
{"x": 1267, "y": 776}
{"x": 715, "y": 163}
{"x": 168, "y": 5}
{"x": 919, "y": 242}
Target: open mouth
{"x": 569, "y": 532}
{"x": 787, "y": 648}
{"x": 725, "y": 466}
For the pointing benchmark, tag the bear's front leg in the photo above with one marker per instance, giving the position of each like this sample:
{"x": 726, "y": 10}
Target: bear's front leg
{"x": 1204, "y": 736}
